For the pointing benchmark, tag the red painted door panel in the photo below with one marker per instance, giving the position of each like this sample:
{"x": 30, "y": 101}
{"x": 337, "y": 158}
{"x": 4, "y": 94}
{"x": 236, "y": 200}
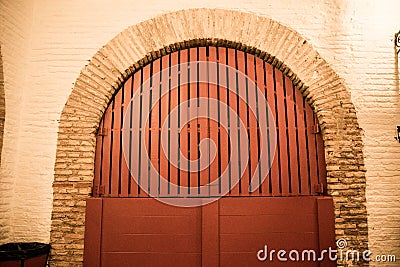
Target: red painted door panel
{"x": 228, "y": 232}
{"x": 146, "y": 232}
{"x": 248, "y": 224}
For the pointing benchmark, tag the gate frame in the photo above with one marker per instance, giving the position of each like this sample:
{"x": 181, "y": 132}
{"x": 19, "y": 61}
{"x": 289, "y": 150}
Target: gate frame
{"x": 137, "y": 45}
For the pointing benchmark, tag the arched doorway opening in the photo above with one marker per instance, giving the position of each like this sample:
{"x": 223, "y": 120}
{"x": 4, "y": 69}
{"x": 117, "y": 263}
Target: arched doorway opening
{"x": 287, "y": 209}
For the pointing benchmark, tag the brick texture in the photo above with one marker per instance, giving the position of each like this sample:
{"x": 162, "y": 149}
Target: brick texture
{"x": 45, "y": 44}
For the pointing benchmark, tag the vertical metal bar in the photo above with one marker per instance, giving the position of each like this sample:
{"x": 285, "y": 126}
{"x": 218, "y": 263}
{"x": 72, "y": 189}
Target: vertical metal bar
{"x": 179, "y": 101}
{"x": 242, "y": 89}
{"x": 292, "y": 137}
{"x": 207, "y": 121}
{"x": 182, "y": 123}
{"x": 164, "y": 111}
{"x": 169, "y": 125}
{"x": 278, "y": 139}
{"x": 121, "y": 156}
{"x": 173, "y": 125}
{"x": 141, "y": 131}
{"x": 131, "y": 181}
{"x": 217, "y": 57}
{"x": 192, "y": 125}
{"x": 233, "y": 133}
{"x": 282, "y": 140}
{"x": 154, "y": 137}
{"x": 125, "y": 174}
{"x": 224, "y": 117}
{"x": 213, "y": 125}
{"x": 185, "y": 125}
{"x": 275, "y": 170}
{"x": 157, "y": 130}
{"x": 264, "y": 189}
{"x": 288, "y": 162}
{"x": 252, "y": 118}
{"x": 302, "y": 144}
{"x": 146, "y": 100}
{"x": 98, "y": 160}
{"x": 149, "y": 128}
{"x": 203, "y": 124}
{"x": 296, "y": 123}
{"x": 112, "y": 145}
{"x": 307, "y": 150}
{"x": 116, "y": 145}
{"x": 311, "y": 147}
{"x": 135, "y": 130}
{"x": 106, "y": 157}
{"x": 321, "y": 157}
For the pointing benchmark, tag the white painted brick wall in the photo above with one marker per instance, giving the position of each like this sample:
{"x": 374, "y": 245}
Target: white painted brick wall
{"x": 45, "y": 44}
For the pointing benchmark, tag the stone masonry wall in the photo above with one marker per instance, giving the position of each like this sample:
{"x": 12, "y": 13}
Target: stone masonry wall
{"x": 45, "y": 45}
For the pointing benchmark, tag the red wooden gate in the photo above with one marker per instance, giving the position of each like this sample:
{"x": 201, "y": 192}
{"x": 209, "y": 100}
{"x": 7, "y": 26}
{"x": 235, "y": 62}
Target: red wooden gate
{"x": 297, "y": 169}
{"x": 296, "y": 176}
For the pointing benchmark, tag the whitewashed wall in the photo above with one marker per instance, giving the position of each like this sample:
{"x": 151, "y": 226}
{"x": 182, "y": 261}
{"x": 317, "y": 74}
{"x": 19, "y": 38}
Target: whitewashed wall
{"x": 45, "y": 44}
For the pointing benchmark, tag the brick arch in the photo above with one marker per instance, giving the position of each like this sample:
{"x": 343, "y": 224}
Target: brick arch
{"x": 137, "y": 45}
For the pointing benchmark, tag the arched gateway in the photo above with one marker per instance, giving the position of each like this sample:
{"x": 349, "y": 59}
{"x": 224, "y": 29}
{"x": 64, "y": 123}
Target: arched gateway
{"x": 264, "y": 172}
{"x": 293, "y": 79}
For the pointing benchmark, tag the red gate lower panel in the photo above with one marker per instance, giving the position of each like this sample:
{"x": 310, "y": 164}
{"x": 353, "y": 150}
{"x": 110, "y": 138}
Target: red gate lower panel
{"x": 247, "y": 225}
{"x": 229, "y": 232}
{"x": 146, "y": 232}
